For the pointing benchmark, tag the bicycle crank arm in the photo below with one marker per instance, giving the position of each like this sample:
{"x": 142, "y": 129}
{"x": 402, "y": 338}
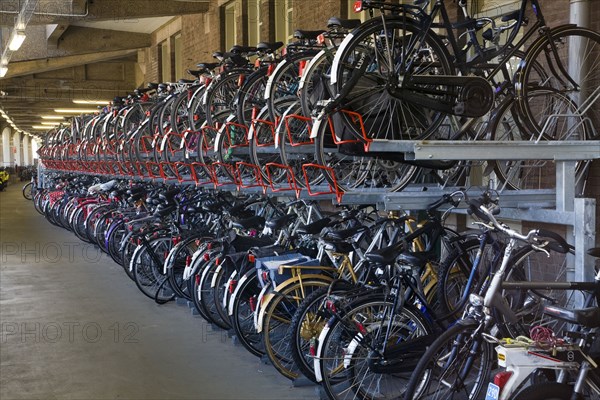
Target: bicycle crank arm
{"x": 464, "y": 96}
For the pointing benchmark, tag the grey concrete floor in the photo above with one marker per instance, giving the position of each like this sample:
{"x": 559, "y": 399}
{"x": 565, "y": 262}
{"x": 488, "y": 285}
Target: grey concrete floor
{"x": 73, "y": 326}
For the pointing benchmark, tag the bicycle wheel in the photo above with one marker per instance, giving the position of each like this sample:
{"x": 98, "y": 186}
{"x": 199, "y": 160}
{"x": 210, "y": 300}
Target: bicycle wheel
{"x": 527, "y": 264}
{"x": 353, "y": 169}
{"x": 457, "y": 365}
{"x": 571, "y": 60}
{"x": 374, "y": 73}
{"x": 296, "y": 148}
{"x": 355, "y": 361}
{"x": 206, "y": 297}
{"x": 242, "y": 315}
{"x": 546, "y": 391}
{"x": 314, "y": 83}
{"x": 220, "y": 98}
{"x": 454, "y": 273}
{"x": 284, "y": 82}
{"x": 147, "y": 265}
{"x": 28, "y": 191}
{"x": 510, "y": 125}
{"x": 307, "y": 324}
{"x": 279, "y": 312}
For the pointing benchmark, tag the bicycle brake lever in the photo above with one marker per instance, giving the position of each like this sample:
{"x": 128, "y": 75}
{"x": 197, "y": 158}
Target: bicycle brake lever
{"x": 542, "y": 249}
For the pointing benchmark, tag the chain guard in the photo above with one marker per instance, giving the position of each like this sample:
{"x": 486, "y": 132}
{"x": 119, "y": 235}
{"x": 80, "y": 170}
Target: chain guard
{"x": 464, "y": 96}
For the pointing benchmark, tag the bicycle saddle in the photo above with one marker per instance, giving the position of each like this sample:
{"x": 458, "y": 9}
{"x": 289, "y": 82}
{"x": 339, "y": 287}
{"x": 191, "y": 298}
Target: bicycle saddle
{"x": 268, "y": 46}
{"x": 278, "y": 223}
{"x": 207, "y": 66}
{"x": 344, "y": 234}
{"x": 595, "y": 252}
{"x": 344, "y": 23}
{"x": 249, "y": 223}
{"x": 588, "y": 317}
{"x": 313, "y": 228}
{"x": 186, "y": 81}
{"x": 386, "y": 255}
{"x": 195, "y": 73}
{"x": 237, "y": 49}
{"x": 302, "y": 34}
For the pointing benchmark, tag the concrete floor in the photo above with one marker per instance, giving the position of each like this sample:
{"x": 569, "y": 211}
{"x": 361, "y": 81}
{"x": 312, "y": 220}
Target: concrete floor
{"x": 73, "y": 326}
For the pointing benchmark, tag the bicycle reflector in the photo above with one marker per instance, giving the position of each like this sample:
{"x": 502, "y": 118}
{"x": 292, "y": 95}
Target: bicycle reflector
{"x": 301, "y": 66}
{"x": 358, "y": 6}
{"x": 501, "y": 378}
{"x": 241, "y": 80}
{"x": 321, "y": 39}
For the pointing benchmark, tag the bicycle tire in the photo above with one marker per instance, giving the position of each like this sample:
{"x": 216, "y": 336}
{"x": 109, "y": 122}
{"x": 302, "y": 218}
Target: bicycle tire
{"x": 546, "y": 391}
{"x": 28, "y": 191}
{"x": 361, "y": 73}
{"x": 242, "y": 316}
{"x": 278, "y": 314}
{"x": 585, "y": 72}
{"x": 345, "y": 351}
{"x": 458, "y": 348}
{"x": 307, "y": 324}
{"x": 147, "y": 274}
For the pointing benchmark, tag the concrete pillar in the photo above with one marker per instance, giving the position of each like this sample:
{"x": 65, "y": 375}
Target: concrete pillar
{"x": 580, "y": 13}
{"x": 6, "y": 157}
{"x": 17, "y": 148}
{"x": 26, "y": 152}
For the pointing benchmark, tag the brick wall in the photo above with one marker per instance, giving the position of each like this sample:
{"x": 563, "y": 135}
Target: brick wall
{"x": 201, "y": 35}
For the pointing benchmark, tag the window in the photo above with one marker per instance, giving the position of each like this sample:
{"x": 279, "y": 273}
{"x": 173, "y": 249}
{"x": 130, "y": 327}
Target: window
{"x": 284, "y": 31}
{"x": 230, "y": 16}
{"x": 254, "y": 22}
{"x": 165, "y": 61}
{"x": 178, "y": 47}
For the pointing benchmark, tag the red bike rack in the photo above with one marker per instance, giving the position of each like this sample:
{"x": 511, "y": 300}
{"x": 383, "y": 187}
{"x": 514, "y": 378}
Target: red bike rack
{"x": 256, "y": 124}
{"x": 153, "y": 169}
{"x": 245, "y": 169}
{"x": 224, "y": 174}
{"x": 206, "y": 146}
{"x": 288, "y": 128}
{"x": 188, "y": 172}
{"x": 333, "y": 189}
{"x": 201, "y": 174}
{"x": 356, "y": 119}
{"x": 228, "y": 128}
{"x": 289, "y": 174}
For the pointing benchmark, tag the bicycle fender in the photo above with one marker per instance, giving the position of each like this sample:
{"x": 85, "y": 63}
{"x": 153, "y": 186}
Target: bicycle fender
{"x": 375, "y": 21}
{"x": 283, "y": 285}
{"x": 236, "y": 292}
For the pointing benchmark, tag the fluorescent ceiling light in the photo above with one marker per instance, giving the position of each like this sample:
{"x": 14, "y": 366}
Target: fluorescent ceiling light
{"x": 75, "y": 110}
{"x": 98, "y": 102}
{"x": 51, "y": 123}
{"x": 60, "y": 117}
{"x": 42, "y": 127}
{"x": 3, "y": 71}
{"x": 16, "y": 40}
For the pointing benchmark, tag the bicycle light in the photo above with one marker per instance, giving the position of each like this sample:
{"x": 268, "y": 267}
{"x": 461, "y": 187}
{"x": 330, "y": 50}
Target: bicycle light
{"x": 475, "y": 300}
{"x": 358, "y": 6}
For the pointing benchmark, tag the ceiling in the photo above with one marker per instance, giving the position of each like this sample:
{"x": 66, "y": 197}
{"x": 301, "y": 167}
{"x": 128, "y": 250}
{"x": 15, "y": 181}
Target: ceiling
{"x": 77, "y": 50}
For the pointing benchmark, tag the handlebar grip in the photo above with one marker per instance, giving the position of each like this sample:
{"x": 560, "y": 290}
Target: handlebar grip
{"x": 474, "y": 205}
{"x": 559, "y": 244}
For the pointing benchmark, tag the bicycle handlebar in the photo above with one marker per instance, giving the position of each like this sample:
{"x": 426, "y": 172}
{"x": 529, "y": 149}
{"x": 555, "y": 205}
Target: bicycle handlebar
{"x": 559, "y": 244}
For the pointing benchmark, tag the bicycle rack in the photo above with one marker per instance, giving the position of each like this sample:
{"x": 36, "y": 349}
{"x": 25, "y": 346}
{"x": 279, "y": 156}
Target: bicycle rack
{"x": 306, "y": 122}
{"x": 578, "y": 113}
{"x": 188, "y": 176}
{"x": 356, "y": 119}
{"x": 223, "y": 174}
{"x": 289, "y": 174}
{"x": 232, "y": 126}
{"x": 256, "y": 125}
{"x": 333, "y": 189}
{"x": 245, "y": 169}
{"x": 201, "y": 174}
